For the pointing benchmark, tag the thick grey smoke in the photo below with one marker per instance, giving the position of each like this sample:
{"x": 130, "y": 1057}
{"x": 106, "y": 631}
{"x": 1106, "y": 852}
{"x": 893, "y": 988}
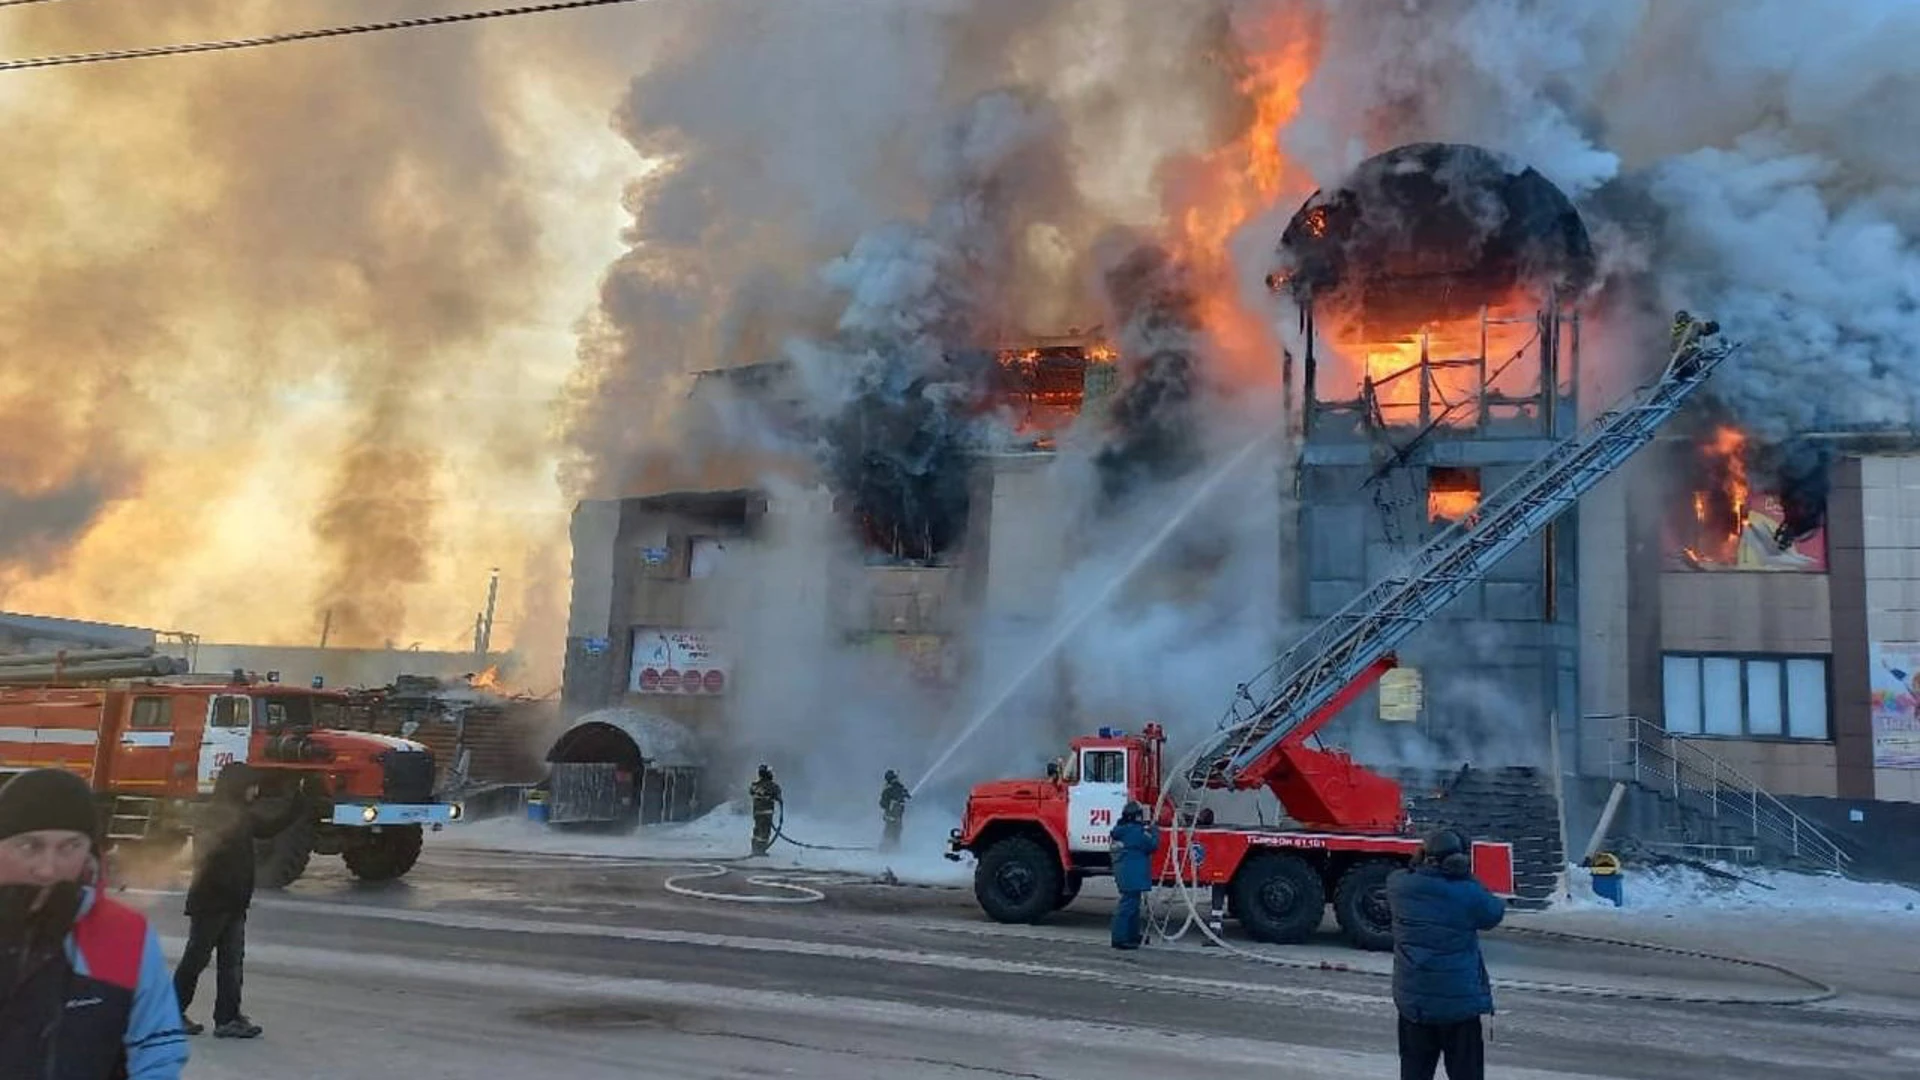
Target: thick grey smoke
{"x": 1773, "y": 142}
{"x": 875, "y": 194}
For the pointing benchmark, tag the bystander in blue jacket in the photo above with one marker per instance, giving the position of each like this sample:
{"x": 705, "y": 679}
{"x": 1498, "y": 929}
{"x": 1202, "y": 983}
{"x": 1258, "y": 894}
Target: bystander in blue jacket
{"x": 1440, "y": 983}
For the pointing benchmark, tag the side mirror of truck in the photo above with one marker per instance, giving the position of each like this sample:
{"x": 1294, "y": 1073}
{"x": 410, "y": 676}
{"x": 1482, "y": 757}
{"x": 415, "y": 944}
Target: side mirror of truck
{"x": 1053, "y": 771}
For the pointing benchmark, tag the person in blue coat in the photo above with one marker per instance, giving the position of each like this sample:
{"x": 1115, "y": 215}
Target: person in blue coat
{"x": 1134, "y": 842}
{"x": 1440, "y": 984}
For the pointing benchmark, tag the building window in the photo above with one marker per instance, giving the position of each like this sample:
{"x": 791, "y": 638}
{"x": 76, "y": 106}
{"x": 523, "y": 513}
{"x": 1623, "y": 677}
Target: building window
{"x": 150, "y": 713}
{"x": 1745, "y": 697}
{"x": 1452, "y": 494}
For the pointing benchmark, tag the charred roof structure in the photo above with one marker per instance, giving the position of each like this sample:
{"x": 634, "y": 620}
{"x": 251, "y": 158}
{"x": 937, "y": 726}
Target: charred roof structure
{"x": 1433, "y": 231}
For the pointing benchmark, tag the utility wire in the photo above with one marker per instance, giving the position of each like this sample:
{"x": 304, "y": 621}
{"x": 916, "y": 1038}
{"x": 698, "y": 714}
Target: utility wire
{"x": 232, "y": 44}
{"x": 17, "y": 3}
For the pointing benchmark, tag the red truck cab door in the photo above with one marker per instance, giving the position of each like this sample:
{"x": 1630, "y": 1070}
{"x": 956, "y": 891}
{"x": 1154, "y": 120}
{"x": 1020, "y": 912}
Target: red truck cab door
{"x": 1096, "y": 793}
{"x": 141, "y": 761}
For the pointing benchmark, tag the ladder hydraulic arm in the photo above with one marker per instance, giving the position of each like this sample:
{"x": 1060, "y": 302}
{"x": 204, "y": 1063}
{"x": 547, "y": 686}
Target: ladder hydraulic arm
{"x": 1301, "y": 691}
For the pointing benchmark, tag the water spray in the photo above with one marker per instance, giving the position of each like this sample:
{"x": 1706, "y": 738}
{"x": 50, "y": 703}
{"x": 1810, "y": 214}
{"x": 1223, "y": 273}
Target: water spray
{"x": 1066, "y": 629}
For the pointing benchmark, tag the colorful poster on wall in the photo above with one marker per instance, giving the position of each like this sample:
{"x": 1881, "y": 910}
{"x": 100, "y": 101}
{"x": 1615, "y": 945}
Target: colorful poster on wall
{"x": 1894, "y": 684}
{"x": 1713, "y": 535}
{"x": 672, "y": 660}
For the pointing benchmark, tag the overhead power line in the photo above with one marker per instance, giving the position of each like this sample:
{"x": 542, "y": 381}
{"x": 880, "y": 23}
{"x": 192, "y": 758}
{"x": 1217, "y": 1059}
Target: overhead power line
{"x": 232, "y": 44}
{"x": 17, "y": 3}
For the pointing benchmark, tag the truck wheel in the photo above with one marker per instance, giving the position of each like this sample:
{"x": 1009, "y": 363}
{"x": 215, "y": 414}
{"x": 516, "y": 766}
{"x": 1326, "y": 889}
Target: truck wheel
{"x": 1017, "y": 881}
{"x": 1069, "y": 888}
{"x": 1360, "y": 904}
{"x": 1279, "y": 899}
{"x": 385, "y": 855}
{"x": 279, "y": 860}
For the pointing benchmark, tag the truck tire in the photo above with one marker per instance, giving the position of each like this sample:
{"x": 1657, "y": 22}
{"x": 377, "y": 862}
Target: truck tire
{"x": 1017, "y": 881}
{"x": 1279, "y": 898}
{"x": 1069, "y": 888}
{"x": 279, "y": 860}
{"x": 1360, "y": 904}
{"x": 385, "y": 855}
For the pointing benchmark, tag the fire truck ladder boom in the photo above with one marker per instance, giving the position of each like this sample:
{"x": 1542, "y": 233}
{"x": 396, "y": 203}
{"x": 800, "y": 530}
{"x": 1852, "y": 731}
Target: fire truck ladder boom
{"x": 1298, "y": 687}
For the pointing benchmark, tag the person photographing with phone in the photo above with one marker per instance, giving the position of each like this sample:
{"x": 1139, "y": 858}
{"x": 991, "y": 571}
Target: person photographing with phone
{"x": 1440, "y": 983}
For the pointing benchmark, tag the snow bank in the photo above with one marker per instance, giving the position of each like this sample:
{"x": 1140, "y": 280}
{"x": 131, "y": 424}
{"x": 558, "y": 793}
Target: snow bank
{"x": 1672, "y": 889}
{"x": 841, "y": 846}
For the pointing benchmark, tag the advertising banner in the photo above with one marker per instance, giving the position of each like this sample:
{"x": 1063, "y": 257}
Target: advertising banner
{"x": 1895, "y": 687}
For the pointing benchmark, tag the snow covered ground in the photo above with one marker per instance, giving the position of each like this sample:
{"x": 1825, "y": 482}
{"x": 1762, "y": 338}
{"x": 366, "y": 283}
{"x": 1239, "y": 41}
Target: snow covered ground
{"x": 724, "y": 833}
{"x": 1678, "y": 890}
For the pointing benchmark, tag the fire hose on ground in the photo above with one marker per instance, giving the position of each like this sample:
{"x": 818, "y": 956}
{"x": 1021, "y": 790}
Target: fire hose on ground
{"x": 1162, "y": 916}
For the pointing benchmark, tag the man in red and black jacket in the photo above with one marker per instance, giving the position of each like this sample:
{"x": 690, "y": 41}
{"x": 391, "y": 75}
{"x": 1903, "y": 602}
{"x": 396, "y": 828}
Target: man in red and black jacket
{"x": 84, "y": 992}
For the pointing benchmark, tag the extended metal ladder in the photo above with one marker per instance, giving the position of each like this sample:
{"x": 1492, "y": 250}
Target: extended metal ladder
{"x": 1313, "y": 672}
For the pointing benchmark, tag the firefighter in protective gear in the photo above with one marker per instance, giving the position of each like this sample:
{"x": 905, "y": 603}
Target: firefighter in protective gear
{"x": 1683, "y": 322}
{"x": 893, "y": 811}
{"x": 1134, "y": 842}
{"x": 765, "y": 794}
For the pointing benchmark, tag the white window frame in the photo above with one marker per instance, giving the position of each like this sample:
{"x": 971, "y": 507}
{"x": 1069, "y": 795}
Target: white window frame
{"x": 1686, "y": 685}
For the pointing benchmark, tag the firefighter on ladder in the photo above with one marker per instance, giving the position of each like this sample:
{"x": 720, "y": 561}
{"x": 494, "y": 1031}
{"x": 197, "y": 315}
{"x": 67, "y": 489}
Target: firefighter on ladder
{"x": 765, "y": 793}
{"x": 893, "y": 811}
{"x": 1689, "y": 350}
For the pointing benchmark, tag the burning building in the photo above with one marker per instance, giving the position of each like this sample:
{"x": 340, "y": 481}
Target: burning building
{"x": 1438, "y": 350}
{"x": 933, "y": 485}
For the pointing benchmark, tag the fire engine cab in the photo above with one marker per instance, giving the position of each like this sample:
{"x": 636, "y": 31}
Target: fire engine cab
{"x": 151, "y": 749}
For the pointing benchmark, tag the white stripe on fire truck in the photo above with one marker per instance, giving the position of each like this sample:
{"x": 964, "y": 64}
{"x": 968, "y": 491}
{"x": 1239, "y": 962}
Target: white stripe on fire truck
{"x": 50, "y": 735}
{"x": 147, "y": 738}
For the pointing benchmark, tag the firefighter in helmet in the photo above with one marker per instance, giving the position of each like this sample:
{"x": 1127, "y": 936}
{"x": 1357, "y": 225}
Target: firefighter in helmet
{"x": 893, "y": 811}
{"x": 765, "y": 793}
{"x": 1689, "y": 349}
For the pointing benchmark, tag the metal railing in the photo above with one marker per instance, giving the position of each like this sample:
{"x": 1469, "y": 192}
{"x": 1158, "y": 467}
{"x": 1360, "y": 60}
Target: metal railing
{"x": 1646, "y": 754}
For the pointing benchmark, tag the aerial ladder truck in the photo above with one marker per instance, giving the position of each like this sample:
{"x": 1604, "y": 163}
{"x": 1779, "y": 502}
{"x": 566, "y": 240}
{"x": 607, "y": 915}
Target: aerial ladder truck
{"x": 1035, "y": 841}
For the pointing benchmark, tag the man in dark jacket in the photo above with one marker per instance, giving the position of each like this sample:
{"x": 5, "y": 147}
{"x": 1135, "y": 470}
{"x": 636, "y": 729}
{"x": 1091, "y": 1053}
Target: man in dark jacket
{"x": 1440, "y": 983}
{"x": 893, "y": 811}
{"x": 83, "y": 988}
{"x": 220, "y": 895}
{"x": 1134, "y": 842}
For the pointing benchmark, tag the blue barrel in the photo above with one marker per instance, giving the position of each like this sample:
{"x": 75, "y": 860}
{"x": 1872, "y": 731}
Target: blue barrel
{"x": 1608, "y": 883}
{"x": 537, "y": 808}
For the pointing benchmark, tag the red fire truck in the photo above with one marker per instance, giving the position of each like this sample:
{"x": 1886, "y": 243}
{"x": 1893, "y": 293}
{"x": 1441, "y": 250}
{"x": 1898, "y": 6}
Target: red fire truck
{"x": 1037, "y": 840}
{"x": 152, "y": 747}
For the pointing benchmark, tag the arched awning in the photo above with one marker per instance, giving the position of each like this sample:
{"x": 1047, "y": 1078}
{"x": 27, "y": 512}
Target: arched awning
{"x": 620, "y": 734}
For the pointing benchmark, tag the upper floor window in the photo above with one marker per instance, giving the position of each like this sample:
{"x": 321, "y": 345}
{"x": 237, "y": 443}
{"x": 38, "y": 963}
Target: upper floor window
{"x": 1745, "y": 696}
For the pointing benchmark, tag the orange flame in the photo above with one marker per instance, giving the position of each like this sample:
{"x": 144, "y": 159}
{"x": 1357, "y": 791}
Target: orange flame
{"x": 488, "y": 680}
{"x": 1722, "y": 511}
{"x": 1213, "y": 199}
{"x": 1452, "y": 494}
{"x": 1458, "y": 353}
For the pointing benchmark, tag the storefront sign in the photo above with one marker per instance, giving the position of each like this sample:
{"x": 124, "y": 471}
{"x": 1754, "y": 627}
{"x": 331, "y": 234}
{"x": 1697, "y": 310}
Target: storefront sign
{"x": 671, "y": 660}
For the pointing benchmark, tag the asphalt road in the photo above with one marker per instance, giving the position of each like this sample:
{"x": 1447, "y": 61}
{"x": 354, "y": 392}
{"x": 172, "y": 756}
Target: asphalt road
{"x": 507, "y": 965}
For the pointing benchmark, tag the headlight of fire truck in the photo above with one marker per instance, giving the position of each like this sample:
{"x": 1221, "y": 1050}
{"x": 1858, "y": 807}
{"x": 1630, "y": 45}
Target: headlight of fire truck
{"x": 455, "y": 812}
{"x": 369, "y": 814}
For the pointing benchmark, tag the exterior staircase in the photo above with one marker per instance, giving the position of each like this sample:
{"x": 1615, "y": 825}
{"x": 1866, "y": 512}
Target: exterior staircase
{"x": 1515, "y": 805}
{"x": 1688, "y": 802}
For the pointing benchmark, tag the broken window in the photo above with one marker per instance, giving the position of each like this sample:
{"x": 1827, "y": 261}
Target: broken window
{"x": 1452, "y": 493}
